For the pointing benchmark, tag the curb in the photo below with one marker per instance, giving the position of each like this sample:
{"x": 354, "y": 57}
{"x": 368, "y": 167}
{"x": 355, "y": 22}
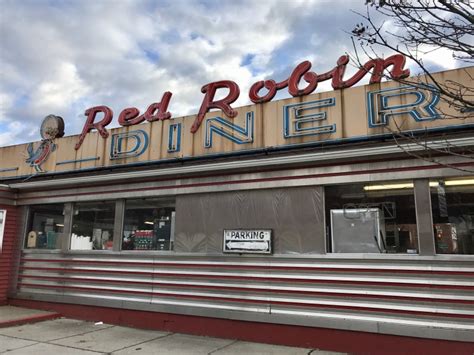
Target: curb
{"x": 31, "y": 319}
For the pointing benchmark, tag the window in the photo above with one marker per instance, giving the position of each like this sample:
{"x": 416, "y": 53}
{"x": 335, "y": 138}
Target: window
{"x": 45, "y": 227}
{"x": 452, "y": 204}
{"x": 148, "y": 225}
{"x": 93, "y": 226}
{"x": 371, "y": 218}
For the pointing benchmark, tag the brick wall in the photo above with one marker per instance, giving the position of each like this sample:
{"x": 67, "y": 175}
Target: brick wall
{"x": 8, "y": 253}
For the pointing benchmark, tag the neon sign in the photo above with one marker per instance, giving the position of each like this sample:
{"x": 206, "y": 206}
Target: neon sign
{"x": 159, "y": 111}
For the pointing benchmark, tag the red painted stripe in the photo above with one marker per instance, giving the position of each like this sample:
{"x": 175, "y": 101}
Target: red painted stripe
{"x": 248, "y": 181}
{"x": 248, "y": 290}
{"x": 242, "y": 277}
{"x": 241, "y": 300}
{"x": 256, "y": 267}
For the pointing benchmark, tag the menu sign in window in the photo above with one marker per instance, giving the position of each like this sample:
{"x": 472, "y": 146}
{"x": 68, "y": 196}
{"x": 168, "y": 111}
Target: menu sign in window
{"x": 258, "y": 241}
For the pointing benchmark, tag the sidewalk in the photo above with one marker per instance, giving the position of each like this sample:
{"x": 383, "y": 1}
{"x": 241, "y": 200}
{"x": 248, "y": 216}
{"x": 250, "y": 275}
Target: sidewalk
{"x": 68, "y": 336}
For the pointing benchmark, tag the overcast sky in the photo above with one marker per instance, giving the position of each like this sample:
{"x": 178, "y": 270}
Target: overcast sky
{"x": 62, "y": 57}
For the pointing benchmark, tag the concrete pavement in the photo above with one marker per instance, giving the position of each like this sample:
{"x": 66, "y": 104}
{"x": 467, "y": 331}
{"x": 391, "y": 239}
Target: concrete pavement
{"x": 69, "y": 336}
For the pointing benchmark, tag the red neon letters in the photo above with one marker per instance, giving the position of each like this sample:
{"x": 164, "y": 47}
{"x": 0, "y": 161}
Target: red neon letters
{"x": 375, "y": 67}
{"x": 90, "y": 124}
{"x": 129, "y": 116}
{"x": 224, "y": 104}
{"x": 159, "y": 111}
{"x": 156, "y": 111}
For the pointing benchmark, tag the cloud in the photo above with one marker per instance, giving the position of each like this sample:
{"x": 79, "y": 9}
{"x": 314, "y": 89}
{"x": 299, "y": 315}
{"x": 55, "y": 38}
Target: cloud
{"x": 62, "y": 57}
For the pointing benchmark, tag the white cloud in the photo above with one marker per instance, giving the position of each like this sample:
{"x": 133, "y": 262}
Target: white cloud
{"x": 60, "y": 91}
{"x": 62, "y": 57}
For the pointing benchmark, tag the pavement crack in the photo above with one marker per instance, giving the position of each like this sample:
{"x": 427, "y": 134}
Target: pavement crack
{"x": 48, "y": 342}
{"x": 143, "y": 342}
{"x": 223, "y": 347}
{"x": 89, "y": 331}
{"x": 73, "y": 347}
{"x": 21, "y": 347}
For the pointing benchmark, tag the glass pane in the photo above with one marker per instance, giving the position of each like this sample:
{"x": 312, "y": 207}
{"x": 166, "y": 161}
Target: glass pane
{"x": 148, "y": 225}
{"x": 93, "y": 226}
{"x": 371, "y": 218}
{"x": 45, "y": 227}
{"x": 452, "y": 204}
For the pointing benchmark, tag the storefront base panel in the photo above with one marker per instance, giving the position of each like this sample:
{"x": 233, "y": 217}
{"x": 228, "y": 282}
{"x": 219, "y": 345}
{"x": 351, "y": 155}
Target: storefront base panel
{"x": 408, "y": 297}
{"x": 309, "y": 337}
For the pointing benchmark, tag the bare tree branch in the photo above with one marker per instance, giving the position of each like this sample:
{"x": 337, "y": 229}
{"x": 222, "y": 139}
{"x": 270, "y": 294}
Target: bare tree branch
{"x": 415, "y": 28}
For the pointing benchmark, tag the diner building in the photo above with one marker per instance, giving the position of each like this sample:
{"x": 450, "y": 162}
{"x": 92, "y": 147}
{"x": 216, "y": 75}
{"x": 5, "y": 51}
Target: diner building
{"x": 342, "y": 220}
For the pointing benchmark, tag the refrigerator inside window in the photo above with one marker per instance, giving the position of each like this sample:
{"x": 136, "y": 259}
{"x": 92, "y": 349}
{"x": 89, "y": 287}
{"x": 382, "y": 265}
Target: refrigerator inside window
{"x": 357, "y": 231}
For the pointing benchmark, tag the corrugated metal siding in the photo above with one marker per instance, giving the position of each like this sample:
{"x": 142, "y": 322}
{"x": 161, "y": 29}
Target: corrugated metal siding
{"x": 431, "y": 298}
{"x": 8, "y": 250}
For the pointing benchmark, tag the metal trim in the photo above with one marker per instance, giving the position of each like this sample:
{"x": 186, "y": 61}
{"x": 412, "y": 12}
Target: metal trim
{"x": 239, "y": 164}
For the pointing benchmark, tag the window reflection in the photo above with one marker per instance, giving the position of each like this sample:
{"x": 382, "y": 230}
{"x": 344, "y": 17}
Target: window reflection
{"x": 452, "y": 204}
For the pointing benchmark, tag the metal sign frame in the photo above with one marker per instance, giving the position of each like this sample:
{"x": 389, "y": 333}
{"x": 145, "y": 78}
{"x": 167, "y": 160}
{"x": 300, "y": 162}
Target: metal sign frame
{"x": 267, "y": 236}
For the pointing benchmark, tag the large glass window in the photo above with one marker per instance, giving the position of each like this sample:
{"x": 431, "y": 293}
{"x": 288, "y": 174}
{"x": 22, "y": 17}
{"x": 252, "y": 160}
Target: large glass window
{"x": 93, "y": 226}
{"x": 148, "y": 225}
{"x": 452, "y": 204}
{"x": 45, "y": 227}
{"x": 371, "y": 218}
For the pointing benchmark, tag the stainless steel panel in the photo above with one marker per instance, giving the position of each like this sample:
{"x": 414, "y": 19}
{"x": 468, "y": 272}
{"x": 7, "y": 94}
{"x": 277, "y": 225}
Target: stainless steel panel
{"x": 118, "y": 225}
{"x": 294, "y": 215}
{"x": 424, "y": 217}
{"x": 424, "y": 296}
{"x": 278, "y": 177}
{"x": 254, "y": 163}
{"x": 66, "y": 240}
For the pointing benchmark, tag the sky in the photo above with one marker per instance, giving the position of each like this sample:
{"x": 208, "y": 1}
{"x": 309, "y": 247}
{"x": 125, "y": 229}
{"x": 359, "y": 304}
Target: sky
{"x": 62, "y": 57}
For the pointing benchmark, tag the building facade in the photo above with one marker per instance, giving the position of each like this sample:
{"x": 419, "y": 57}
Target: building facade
{"x": 341, "y": 220}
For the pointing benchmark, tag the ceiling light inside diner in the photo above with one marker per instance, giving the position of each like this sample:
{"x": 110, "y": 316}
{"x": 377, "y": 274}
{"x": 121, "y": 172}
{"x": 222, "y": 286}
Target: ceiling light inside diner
{"x": 410, "y": 185}
{"x": 459, "y": 182}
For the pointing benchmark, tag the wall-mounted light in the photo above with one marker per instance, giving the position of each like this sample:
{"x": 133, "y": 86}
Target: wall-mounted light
{"x": 149, "y": 222}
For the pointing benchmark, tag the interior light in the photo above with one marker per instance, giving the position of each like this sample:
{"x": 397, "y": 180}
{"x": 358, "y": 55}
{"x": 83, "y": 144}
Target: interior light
{"x": 410, "y": 185}
{"x": 59, "y": 225}
{"x": 388, "y": 187}
{"x": 459, "y": 182}
{"x": 149, "y": 222}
